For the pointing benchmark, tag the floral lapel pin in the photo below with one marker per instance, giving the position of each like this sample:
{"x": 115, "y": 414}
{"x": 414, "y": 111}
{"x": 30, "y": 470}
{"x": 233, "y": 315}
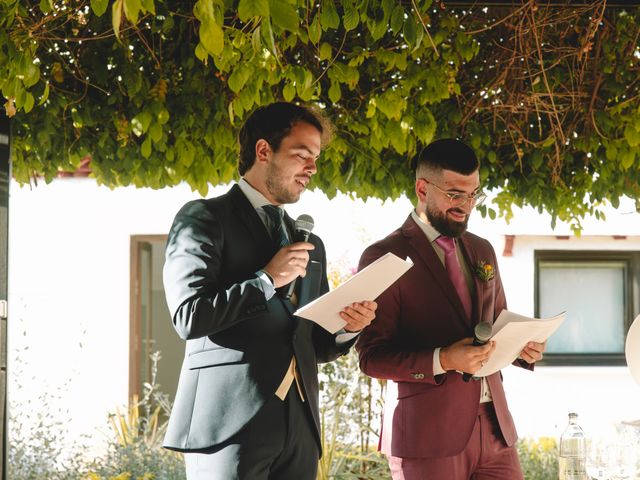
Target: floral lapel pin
{"x": 485, "y": 271}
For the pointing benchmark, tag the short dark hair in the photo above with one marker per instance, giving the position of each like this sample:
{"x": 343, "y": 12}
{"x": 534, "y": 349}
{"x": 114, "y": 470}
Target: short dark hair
{"x": 272, "y": 123}
{"x": 447, "y": 154}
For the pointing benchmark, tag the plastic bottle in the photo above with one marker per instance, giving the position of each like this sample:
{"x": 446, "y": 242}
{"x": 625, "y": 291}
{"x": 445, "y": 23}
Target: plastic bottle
{"x": 573, "y": 452}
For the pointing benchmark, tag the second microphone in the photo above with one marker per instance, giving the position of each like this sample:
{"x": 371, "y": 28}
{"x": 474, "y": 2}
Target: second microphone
{"x": 481, "y": 335}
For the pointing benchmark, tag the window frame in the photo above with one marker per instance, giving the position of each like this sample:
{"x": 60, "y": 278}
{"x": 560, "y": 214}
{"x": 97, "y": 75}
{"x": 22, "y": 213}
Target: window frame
{"x": 631, "y": 259}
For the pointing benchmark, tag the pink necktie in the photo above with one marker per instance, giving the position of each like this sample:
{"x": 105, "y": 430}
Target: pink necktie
{"x": 454, "y": 270}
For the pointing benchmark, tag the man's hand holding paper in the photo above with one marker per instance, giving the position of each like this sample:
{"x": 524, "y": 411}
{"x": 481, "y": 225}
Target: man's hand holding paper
{"x": 358, "y": 315}
{"x": 367, "y": 283}
{"x": 517, "y": 336}
{"x": 533, "y": 351}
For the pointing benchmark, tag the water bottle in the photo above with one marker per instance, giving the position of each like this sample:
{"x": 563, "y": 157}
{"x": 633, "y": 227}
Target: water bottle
{"x": 573, "y": 452}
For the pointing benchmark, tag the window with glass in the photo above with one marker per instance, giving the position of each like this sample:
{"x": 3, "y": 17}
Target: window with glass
{"x": 599, "y": 292}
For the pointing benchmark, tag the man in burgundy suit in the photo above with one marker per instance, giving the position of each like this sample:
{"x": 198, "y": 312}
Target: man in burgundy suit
{"x": 436, "y": 426}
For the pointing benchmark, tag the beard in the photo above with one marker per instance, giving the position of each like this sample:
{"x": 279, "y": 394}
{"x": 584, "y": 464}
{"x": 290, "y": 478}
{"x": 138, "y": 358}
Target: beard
{"x": 444, "y": 225}
{"x": 277, "y": 186}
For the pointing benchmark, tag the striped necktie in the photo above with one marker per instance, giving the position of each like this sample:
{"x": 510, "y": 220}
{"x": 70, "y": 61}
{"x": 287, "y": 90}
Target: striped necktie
{"x": 278, "y": 230}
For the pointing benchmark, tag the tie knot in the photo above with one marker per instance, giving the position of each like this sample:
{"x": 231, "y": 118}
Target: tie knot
{"x": 274, "y": 212}
{"x": 447, "y": 244}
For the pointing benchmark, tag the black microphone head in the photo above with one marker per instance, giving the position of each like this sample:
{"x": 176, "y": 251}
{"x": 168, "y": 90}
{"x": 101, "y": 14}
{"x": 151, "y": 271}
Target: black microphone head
{"x": 305, "y": 223}
{"x": 483, "y": 331}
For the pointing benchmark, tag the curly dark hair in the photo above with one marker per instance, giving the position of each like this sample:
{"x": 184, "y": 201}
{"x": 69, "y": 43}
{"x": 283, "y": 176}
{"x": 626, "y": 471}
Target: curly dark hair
{"x": 272, "y": 123}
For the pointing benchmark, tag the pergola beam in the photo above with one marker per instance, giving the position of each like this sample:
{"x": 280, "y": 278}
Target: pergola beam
{"x": 512, "y": 3}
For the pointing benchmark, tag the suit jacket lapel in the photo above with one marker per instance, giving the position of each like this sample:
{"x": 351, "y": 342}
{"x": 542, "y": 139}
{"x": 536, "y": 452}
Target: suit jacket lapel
{"x": 291, "y": 226}
{"x": 261, "y": 236}
{"x": 247, "y": 215}
{"x": 484, "y": 297}
{"x": 420, "y": 243}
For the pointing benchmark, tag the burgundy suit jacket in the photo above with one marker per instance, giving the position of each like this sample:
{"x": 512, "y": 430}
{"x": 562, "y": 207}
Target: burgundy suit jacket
{"x": 429, "y": 417}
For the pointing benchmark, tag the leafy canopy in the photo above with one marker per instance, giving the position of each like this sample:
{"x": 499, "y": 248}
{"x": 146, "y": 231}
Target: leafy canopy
{"x": 155, "y": 90}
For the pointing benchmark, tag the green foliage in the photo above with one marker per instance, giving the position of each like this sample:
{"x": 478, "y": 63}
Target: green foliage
{"x": 136, "y": 451}
{"x": 38, "y": 443}
{"x": 539, "y": 458}
{"x": 39, "y": 447}
{"x": 155, "y": 90}
{"x": 350, "y": 407}
{"x": 37, "y": 431}
{"x": 137, "y": 462}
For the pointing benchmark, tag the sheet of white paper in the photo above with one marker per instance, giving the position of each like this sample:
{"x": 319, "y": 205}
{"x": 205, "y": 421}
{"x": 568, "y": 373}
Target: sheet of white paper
{"x": 512, "y": 332}
{"x": 367, "y": 284}
{"x": 632, "y": 349}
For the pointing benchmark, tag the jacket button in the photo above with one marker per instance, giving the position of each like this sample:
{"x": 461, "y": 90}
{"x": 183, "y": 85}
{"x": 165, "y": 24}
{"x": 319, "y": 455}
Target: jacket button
{"x": 418, "y": 376}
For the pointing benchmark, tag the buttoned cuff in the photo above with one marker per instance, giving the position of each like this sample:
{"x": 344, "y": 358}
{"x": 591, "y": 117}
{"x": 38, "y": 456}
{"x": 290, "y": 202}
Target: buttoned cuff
{"x": 437, "y": 367}
{"x": 266, "y": 284}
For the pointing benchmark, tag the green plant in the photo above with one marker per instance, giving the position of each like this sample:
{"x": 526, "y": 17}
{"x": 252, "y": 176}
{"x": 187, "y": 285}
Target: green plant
{"x": 122, "y": 476}
{"x": 539, "y": 458}
{"x": 143, "y": 421}
{"x": 137, "y": 461}
{"x": 350, "y": 408}
{"x": 136, "y": 452}
{"x": 39, "y": 446}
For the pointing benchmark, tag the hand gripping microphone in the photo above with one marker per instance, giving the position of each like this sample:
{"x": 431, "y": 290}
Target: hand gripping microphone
{"x": 481, "y": 335}
{"x": 303, "y": 226}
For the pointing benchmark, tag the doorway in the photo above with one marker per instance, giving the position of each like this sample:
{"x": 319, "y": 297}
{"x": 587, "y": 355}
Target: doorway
{"x": 150, "y": 326}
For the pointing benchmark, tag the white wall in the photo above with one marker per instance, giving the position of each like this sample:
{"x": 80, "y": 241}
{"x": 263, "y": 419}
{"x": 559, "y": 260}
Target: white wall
{"x": 69, "y": 296}
{"x": 541, "y": 401}
{"x": 69, "y": 291}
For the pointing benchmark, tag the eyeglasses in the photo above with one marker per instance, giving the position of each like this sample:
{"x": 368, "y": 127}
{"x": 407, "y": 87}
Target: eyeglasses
{"x": 459, "y": 199}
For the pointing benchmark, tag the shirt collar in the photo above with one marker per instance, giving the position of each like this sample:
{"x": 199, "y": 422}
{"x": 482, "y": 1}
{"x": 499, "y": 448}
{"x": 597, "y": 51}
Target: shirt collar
{"x": 431, "y": 233}
{"x": 256, "y": 199}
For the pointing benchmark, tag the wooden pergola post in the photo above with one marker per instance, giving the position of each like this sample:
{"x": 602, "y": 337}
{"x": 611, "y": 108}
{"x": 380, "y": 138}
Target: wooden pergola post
{"x": 5, "y": 176}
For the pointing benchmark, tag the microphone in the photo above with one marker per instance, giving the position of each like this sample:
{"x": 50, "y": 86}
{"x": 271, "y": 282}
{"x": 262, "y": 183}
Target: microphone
{"x": 303, "y": 226}
{"x": 481, "y": 335}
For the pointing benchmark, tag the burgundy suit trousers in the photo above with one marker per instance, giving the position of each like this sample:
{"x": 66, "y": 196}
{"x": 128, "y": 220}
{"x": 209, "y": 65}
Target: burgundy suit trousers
{"x": 486, "y": 457}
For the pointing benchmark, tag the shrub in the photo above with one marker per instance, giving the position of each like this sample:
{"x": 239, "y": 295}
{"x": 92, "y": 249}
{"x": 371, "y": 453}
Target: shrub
{"x": 137, "y": 461}
{"x": 37, "y": 435}
{"x": 39, "y": 447}
{"x": 539, "y": 458}
{"x": 136, "y": 451}
{"x": 350, "y": 407}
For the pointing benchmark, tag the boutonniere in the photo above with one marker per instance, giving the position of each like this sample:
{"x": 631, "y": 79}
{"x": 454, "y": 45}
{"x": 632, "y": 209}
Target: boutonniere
{"x": 485, "y": 271}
